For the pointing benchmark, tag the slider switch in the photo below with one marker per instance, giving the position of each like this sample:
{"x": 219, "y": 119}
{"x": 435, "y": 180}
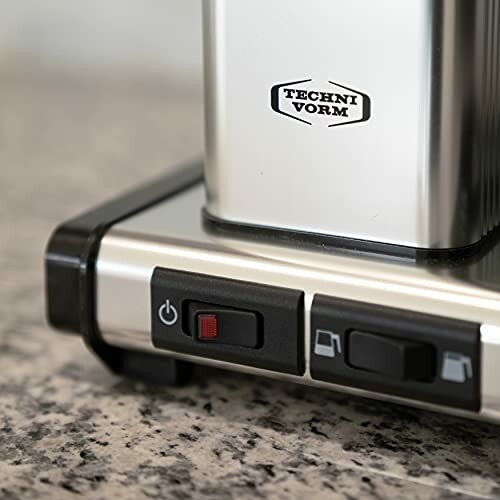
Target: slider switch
{"x": 397, "y": 358}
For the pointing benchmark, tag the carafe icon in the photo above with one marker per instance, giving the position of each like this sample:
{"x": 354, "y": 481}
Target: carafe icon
{"x": 456, "y": 367}
{"x": 327, "y": 344}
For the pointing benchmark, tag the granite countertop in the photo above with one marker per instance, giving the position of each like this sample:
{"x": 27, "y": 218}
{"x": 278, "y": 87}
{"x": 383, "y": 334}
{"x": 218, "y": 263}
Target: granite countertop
{"x": 70, "y": 429}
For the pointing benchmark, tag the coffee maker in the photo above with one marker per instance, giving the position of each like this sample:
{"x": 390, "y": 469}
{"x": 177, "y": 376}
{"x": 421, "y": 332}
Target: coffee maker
{"x": 341, "y": 230}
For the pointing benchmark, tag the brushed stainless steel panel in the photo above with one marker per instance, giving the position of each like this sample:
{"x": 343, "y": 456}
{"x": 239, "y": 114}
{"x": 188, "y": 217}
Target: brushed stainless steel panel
{"x": 421, "y": 172}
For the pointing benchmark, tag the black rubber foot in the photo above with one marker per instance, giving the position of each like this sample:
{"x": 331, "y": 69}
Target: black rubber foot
{"x": 153, "y": 370}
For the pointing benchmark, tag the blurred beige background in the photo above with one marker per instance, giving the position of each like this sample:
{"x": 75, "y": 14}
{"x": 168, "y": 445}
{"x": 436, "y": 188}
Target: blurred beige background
{"x": 148, "y": 38}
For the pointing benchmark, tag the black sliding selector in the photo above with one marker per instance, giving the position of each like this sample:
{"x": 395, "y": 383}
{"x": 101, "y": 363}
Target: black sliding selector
{"x": 395, "y": 351}
{"x": 400, "y": 359}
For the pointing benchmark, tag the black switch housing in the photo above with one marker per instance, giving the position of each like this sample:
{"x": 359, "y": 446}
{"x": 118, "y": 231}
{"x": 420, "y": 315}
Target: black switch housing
{"x": 394, "y": 351}
{"x": 278, "y": 343}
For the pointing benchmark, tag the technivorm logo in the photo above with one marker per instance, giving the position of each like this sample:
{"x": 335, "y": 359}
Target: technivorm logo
{"x": 329, "y": 105}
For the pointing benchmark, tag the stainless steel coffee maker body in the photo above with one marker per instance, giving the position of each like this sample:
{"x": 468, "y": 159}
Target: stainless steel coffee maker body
{"x": 364, "y": 120}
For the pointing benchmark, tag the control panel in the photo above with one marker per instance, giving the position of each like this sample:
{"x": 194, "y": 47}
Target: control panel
{"x": 228, "y": 320}
{"x": 355, "y": 344}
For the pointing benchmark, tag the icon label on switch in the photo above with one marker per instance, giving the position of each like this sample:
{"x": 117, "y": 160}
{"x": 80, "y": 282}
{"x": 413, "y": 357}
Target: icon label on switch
{"x": 456, "y": 367}
{"x": 168, "y": 314}
{"x": 327, "y": 344}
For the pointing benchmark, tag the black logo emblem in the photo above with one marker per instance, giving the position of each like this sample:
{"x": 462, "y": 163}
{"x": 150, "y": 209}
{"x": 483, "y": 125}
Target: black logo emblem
{"x": 330, "y": 104}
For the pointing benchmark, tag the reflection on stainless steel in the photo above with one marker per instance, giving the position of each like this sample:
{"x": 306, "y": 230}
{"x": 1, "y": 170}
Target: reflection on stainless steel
{"x": 422, "y": 171}
{"x": 490, "y": 376}
{"x": 170, "y": 235}
{"x": 482, "y": 268}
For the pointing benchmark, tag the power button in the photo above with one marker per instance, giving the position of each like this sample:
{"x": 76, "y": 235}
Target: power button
{"x": 224, "y": 325}
{"x": 229, "y": 320}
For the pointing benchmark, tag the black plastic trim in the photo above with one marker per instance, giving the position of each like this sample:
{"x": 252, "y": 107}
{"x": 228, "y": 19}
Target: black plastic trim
{"x": 70, "y": 260}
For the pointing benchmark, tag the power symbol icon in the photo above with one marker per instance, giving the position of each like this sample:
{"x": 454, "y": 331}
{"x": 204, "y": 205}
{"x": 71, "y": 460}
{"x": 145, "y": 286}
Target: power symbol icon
{"x": 168, "y": 314}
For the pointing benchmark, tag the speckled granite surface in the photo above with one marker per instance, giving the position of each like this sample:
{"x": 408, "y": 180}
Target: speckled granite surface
{"x": 69, "y": 429}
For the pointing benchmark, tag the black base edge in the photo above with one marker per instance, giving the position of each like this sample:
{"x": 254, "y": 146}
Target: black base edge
{"x": 70, "y": 260}
{"x": 316, "y": 241}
